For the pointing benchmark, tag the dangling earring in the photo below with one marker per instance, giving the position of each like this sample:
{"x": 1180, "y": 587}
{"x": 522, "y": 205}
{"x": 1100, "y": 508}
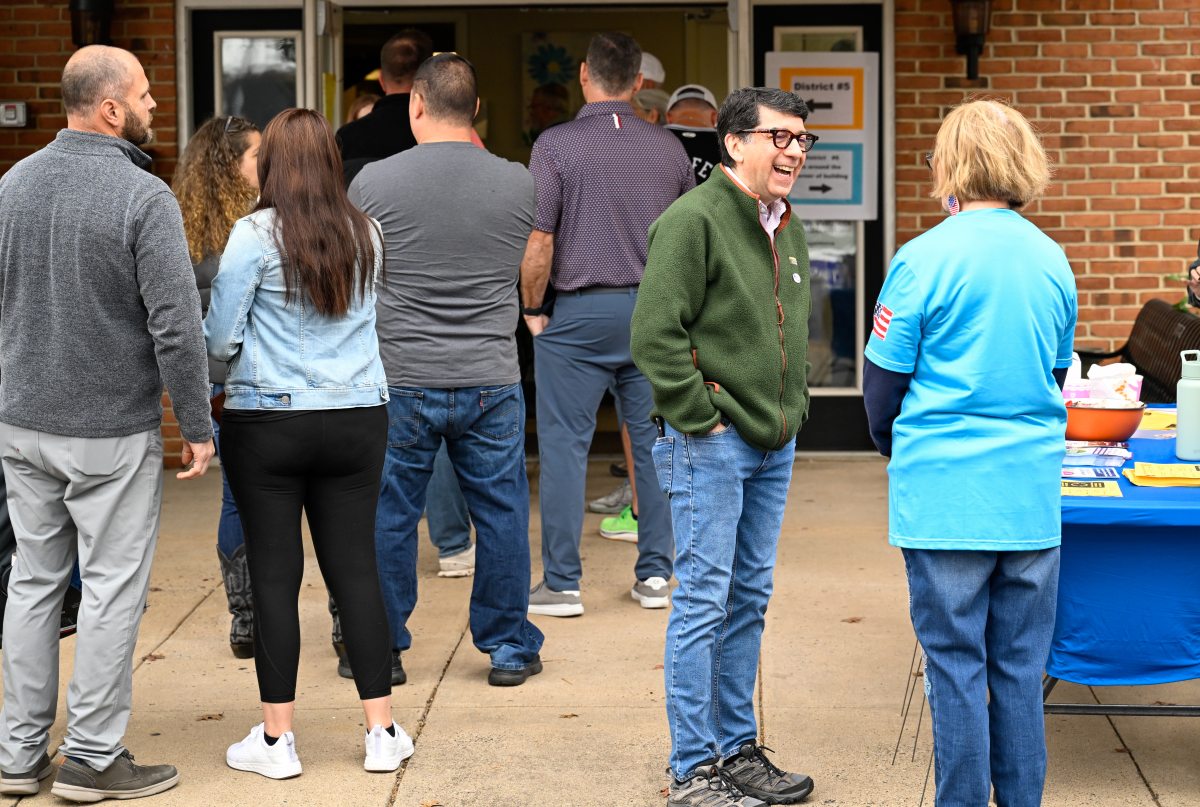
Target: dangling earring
{"x": 952, "y": 204}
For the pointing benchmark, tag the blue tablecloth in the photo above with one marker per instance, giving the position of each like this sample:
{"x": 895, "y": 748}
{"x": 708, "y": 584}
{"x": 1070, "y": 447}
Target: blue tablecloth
{"x": 1129, "y": 591}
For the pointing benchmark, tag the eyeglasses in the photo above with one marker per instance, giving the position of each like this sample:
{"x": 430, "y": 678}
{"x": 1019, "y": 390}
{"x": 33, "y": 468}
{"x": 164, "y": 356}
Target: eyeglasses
{"x": 929, "y": 160}
{"x": 782, "y": 138}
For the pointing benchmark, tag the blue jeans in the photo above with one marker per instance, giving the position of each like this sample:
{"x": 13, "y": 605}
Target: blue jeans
{"x": 985, "y": 621}
{"x": 229, "y": 525}
{"x": 727, "y": 500}
{"x": 484, "y": 432}
{"x": 446, "y": 509}
{"x": 584, "y": 351}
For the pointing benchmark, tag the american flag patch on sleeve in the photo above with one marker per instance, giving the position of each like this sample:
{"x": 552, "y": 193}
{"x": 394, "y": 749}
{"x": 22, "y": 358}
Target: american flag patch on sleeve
{"x": 883, "y": 318}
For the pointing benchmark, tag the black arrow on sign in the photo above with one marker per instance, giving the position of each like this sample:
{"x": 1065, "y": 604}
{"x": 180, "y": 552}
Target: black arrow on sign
{"x": 815, "y": 105}
{"x": 821, "y": 188}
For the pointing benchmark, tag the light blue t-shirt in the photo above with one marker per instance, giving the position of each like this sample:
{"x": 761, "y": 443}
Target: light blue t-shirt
{"x": 980, "y": 310}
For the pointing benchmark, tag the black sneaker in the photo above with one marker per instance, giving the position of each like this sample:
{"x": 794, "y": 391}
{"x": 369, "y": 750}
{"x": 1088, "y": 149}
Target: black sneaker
{"x": 68, "y": 621}
{"x": 708, "y": 786}
{"x": 398, "y": 675}
{"x": 754, "y": 774}
{"x": 27, "y": 782}
{"x": 78, "y": 781}
{"x": 514, "y": 678}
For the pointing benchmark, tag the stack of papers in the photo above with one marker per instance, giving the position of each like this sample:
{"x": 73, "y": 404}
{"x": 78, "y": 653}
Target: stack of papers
{"x": 1096, "y": 456}
{"x": 1164, "y": 475}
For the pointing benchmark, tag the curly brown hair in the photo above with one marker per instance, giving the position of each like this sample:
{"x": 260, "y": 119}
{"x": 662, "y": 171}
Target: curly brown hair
{"x": 211, "y": 190}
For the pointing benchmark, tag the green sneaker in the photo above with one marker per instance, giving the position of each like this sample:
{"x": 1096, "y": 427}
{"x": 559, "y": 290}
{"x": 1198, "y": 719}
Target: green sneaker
{"x": 621, "y": 527}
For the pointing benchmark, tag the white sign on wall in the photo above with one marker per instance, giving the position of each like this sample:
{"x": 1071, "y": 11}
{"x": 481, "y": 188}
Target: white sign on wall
{"x": 840, "y": 176}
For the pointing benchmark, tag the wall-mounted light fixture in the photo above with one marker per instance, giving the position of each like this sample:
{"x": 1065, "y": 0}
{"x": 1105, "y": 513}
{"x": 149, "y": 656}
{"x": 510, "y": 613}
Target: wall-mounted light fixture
{"x": 91, "y": 21}
{"x": 972, "y": 20}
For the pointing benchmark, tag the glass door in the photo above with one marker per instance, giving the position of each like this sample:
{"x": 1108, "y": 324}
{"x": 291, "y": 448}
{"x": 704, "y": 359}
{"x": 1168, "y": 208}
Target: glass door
{"x": 246, "y": 63}
{"x": 846, "y": 256}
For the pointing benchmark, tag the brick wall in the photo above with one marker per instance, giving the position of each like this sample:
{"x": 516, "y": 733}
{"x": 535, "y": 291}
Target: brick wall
{"x": 35, "y": 43}
{"x": 1114, "y": 86}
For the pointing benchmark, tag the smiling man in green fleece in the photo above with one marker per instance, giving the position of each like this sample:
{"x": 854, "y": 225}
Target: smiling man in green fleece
{"x": 721, "y": 331}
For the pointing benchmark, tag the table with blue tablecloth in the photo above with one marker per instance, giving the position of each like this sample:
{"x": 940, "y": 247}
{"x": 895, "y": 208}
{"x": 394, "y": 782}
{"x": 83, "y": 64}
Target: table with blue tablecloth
{"x": 1129, "y": 589}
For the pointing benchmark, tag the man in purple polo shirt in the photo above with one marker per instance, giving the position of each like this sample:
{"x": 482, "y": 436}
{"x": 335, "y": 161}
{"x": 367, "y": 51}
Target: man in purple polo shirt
{"x": 602, "y": 179}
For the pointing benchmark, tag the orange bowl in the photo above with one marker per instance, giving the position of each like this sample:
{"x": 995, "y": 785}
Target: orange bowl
{"x": 1103, "y": 423}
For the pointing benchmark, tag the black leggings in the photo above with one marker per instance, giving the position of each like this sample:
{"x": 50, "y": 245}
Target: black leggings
{"x": 327, "y": 462}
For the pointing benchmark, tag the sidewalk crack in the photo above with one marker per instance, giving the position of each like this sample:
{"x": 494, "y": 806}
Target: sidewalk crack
{"x": 420, "y": 727}
{"x": 141, "y": 661}
{"x": 762, "y": 706}
{"x": 1141, "y": 774}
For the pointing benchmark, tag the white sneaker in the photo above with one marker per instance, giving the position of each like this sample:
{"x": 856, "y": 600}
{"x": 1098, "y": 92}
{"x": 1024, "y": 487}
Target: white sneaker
{"x": 461, "y": 564}
{"x": 278, "y": 761}
{"x": 653, "y": 592}
{"x": 385, "y": 752}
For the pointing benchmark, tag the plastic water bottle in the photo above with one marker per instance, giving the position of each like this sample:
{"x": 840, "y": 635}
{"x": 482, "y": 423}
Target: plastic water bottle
{"x": 1187, "y": 420}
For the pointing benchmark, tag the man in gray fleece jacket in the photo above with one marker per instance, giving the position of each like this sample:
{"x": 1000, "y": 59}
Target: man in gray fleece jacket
{"x": 98, "y": 309}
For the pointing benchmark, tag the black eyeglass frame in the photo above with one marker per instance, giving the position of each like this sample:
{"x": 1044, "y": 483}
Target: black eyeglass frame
{"x": 806, "y": 140}
{"x": 929, "y": 160}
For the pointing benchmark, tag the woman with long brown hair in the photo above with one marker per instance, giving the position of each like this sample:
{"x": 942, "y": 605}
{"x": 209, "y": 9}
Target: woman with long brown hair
{"x": 305, "y": 426}
{"x": 216, "y": 184}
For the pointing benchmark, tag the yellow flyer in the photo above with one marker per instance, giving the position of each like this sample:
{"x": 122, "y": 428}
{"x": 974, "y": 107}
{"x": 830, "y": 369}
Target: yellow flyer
{"x": 1167, "y": 470}
{"x": 1164, "y": 475}
{"x": 1157, "y": 419}
{"x": 1108, "y": 488}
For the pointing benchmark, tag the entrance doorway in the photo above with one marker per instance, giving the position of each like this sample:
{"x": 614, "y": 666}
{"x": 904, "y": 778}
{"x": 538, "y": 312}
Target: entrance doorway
{"x": 528, "y": 58}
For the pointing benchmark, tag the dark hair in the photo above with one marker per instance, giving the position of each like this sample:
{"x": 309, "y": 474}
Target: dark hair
{"x": 741, "y": 112}
{"x": 614, "y": 61}
{"x": 326, "y": 242}
{"x": 88, "y": 80}
{"x": 401, "y": 55}
{"x": 447, "y": 83}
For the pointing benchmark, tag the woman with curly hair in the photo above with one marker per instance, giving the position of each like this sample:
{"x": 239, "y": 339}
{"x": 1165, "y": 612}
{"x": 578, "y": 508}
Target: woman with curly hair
{"x": 216, "y": 184}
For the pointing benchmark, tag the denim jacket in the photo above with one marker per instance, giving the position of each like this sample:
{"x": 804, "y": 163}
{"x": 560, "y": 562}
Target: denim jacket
{"x": 287, "y": 356}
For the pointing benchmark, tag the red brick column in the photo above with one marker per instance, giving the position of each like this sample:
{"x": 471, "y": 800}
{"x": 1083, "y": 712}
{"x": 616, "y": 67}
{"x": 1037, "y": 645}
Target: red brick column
{"x": 35, "y": 43}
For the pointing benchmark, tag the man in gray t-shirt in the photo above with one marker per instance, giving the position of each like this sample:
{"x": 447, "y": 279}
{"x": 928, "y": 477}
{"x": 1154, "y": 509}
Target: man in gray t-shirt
{"x": 455, "y": 223}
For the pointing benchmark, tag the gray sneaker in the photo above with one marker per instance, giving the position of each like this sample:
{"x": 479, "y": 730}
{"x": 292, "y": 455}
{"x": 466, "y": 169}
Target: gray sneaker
{"x": 545, "y": 601}
{"x": 26, "y": 782}
{"x": 653, "y": 592}
{"x": 709, "y": 786}
{"x": 614, "y": 502}
{"x": 77, "y": 781}
{"x": 756, "y": 775}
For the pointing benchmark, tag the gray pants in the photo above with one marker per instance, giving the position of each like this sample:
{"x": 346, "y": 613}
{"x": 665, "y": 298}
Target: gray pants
{"x": 97, "y": 499}
{"x": 583, "y": 352}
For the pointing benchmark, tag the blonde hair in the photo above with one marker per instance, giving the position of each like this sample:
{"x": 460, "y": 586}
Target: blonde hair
{"x": 988, "y": 151}
{"x": 211, "y": 190}
{"x": 360, "y": 102}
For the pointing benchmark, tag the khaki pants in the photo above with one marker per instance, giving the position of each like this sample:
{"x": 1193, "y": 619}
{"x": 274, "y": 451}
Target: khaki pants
{"x": 98, "y": 500}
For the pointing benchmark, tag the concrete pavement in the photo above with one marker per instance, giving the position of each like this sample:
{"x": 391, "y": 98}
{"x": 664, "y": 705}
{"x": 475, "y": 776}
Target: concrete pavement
{"x": 590, "y": 731}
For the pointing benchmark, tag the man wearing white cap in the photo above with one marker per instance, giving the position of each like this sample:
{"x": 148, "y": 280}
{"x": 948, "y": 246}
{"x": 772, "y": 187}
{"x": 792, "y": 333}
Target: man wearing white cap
{"x": 653, "y": 74}
{"x": 692, "y": 117}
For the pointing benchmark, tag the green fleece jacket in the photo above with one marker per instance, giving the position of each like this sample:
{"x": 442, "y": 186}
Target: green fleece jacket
{"x": 721, "y": 322}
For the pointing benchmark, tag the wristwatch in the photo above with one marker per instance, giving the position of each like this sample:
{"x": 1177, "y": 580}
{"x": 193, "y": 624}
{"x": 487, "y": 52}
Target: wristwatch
{"x": 536, "y": 311}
